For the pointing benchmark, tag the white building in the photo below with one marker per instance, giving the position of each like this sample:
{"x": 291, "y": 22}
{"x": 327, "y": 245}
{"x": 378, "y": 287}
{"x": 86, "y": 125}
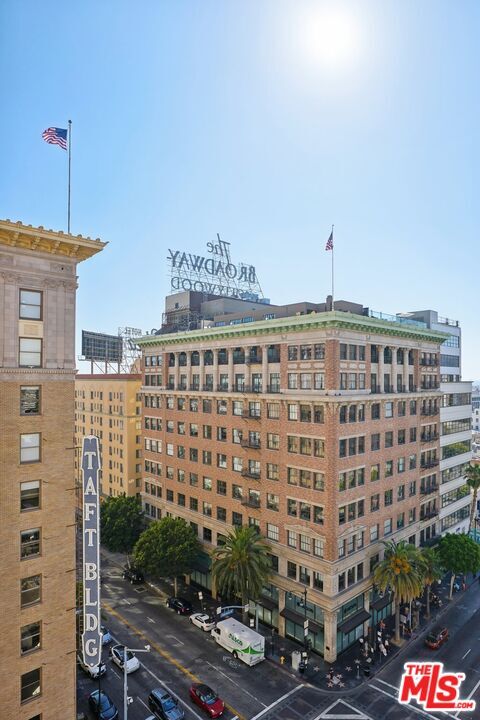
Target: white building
{"x": 454, "y": 426}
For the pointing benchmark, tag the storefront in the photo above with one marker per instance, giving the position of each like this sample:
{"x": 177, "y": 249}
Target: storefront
{"x": 351, "y": 619}
{"x": 201, "y": 574}
{"x": 295, "y": 614}
{"x": 267, "y": 606}
{"x": 381, "y": 607}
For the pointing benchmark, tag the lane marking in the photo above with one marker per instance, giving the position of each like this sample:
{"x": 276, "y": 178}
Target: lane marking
{"x": 468, "y": 697}
{"x": 294, "y": 690}
{"x": 127, "y": 601}
{"x": 150, "y": 619}
{"x": 164, "y": 653}
{"x": 115, "y": 673}
{"x": 172, "y": 637}
{"x": 144, "y": 704}
{"x": 464, "y": 656}
{"x": 173, "y": 693}
{"x": 218, "y": 670}
{"x": 388, "y": 684}
{"x": 411, "y": 707}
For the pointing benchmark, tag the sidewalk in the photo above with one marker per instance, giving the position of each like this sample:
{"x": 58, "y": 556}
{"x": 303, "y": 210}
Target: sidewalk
{"x": 352, "y": 667}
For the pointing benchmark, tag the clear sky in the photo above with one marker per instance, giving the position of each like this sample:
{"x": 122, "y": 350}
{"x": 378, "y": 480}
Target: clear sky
{"x": 265, "y": 121}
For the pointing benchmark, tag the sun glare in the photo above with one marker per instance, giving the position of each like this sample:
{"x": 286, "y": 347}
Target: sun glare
{"x": 332, "y": 37}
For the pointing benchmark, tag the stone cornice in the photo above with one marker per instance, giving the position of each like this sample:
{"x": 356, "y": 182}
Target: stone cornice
{"x": 313, "y": 321}
{"x": 50, "y": 242}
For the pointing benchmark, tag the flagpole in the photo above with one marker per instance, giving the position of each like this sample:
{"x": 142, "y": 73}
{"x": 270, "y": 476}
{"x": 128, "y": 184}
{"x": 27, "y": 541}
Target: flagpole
{"x": 69, "y": 168}
{"x": 333, "y": 285}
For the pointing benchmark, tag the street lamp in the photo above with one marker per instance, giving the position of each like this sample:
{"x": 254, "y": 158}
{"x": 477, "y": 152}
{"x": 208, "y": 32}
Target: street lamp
{"x": 303, "y": 603}
{"x": 126, "y": 699}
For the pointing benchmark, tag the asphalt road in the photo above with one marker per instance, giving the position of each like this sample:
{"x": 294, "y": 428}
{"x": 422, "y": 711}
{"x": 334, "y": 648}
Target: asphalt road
{"x": 182, "y": 654}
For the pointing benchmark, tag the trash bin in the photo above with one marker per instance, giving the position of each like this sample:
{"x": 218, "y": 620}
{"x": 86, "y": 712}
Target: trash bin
{"x": 366, "y": 670}
{"x": 296, "y": 659}
{"x": 302, "y": 667}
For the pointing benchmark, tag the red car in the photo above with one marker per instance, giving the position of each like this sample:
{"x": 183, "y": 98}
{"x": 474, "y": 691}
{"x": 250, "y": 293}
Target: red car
{"x": 436, "y": 638}
{"x": 207, "y": 699}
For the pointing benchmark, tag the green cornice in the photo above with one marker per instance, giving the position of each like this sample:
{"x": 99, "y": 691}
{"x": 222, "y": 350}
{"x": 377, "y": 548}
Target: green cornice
{"x": 297, "y": 323}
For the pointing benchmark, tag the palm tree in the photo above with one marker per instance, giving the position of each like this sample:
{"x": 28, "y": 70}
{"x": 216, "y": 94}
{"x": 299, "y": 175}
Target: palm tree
{"x": 241, "y": 567}
{"x": 472, "y": 475}
{"x": 400, "y": 570}
{"x": 431, "y": 570}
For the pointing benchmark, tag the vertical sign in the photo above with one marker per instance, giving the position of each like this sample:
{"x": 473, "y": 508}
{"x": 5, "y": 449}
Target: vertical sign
{"x": 91, "y": 638}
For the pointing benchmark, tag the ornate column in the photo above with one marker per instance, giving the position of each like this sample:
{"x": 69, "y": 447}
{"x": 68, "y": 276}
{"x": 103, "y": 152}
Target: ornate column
{"x": 201, "y": 369}
{"x": 264, "y": 368}
{"x": 215, "y": 369}
{"x": 394, "y": 368}
{"x": 381, "y": 368}
{"x": 230, "y": 368}
{"x": 248, "y": 367}
{"x": 188, "y": 369}
{"x": 405, "y": 368}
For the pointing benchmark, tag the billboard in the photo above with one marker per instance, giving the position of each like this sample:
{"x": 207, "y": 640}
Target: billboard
{"x": 102, "y": 347}
{"x": 91, "y": 638}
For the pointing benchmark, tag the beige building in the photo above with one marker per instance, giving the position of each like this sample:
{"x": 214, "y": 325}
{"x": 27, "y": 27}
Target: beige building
{"x": 37, "y": 498}
{"x": 109, "y": 407}
{"x": 321, "y": 430}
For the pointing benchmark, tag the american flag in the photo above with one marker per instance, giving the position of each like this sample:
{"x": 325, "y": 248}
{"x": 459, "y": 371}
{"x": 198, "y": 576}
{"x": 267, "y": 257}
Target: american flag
{"x": 56, "y": 136}
{"x": 329, "y": 245}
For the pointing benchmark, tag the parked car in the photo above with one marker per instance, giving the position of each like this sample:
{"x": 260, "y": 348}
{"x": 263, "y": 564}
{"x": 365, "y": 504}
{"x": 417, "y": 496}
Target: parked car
{"x": 436, "y": 638}
{"x": 102, "y": 706}
{"x": 164, "y": 705}
{"x": 207, "y": 699}
{"x": 203, "y": 621}
{"x": 133, "y": 575}
{"x": 180, "y": 605}
{"x": 91, "y": 671}
{"x": 117, "y": 653}
{"x": 106, "y": 637}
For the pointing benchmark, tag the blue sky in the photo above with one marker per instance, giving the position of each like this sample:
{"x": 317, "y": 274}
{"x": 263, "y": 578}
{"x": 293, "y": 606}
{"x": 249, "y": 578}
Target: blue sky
{"x": 264, "y": 120}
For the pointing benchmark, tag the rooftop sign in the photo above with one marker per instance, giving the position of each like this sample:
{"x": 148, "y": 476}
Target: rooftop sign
{"x": 215, "y": 275}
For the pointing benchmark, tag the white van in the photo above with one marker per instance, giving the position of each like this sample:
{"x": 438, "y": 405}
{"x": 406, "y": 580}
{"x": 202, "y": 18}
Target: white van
{"x": 244, "y": 643}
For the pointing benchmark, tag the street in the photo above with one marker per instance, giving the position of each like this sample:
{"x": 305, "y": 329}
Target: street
{"x": 182, "y": 654}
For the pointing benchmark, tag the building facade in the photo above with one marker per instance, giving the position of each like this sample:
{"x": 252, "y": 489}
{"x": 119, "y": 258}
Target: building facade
{"x": 109, "y": 406}
{"x": 37, "y": 498}
{"x": 322, "y": 431}
{"x": 455, "y": 425}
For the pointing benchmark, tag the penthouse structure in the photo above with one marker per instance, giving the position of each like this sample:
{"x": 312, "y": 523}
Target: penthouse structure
{"x": 319, "y": 429}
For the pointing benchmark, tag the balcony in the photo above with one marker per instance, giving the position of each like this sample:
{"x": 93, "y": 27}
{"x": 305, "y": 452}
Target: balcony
{"x": 428, "y": 363}
{"x": 251, "y": 475}
{"x": 428, "y": 464}
{"x": 170, "y": 386}
{"x": 182, "y": 386}
{"x": 428, "y": 515}
{"x": 424, "y": 387}
{"x": 253, "y": 444}
{"x": 428, "y": 437}
{"x": 252, "y": 415}
{"x": 253, "y": 360}
{"x": 196, "y": 388}
{"x": 251, "y": 503}
{"x": 207, "y": 388}
{"x": 222, "y": 388}
{"x": 428, "y": 490}
{"x": 429, "y": 412}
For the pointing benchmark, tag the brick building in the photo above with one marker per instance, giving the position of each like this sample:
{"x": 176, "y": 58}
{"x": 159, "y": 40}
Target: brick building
{"x": 37, "y": 499}
{"x": 319, "y": 429}
{"x": 108, "y": 406}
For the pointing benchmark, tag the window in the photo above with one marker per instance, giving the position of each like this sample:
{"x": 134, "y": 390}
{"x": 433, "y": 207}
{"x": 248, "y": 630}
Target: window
{"x": 30, "y": 448}
{"x": 29, "y": 543}
{"x": 207, "y": 534}
{"x": 388, "y": 497}
{"x": 389, "y": 409}
{"x": 273, "y": 532}
{"x": 221, "y": 460}
{"x": 292, "y": 381}
{"x": 30, "y": 400}
{"x": 237, "y": 407}
{"x": 30, "y": 590}
{"x": 273, "y": 441}
{"x": 31, "y": 685}
{"x": 292, "y": 411}
{"x": 374, "y": 502}
{"x": 221, "y": 487}
{"x": 305, "y": 544}
{"x": 272, "y": 471}
{"x": 373, "y": 533}
{"x": 30, "y": 352}
{"x": 375, "y": 441}
{"x": 387, "y": 526}
{"x": 273, "y": 411}
{"x": 375, "y": 411}
{"x": 194, "y": 504}
{"x": 291, "y": 570}
{"x": 389, "y": 439}
{"x": 30, "y": 637}
{"x": 29, "y": 495}
{"x": 237, "y": 519}
{"x": 318, "y": 547}
{"x": 273, "y": 502}
{"x": 30, "y": 305}
{"x": 291, "y": 538}
{"x": 207, "y": 483}
{"x": 221, "y": 514}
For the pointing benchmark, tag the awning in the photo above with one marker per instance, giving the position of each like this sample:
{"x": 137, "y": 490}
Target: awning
{"x": 381, "y": 602}
{"x": 300, "y": 619}
{"x": 202, "y": 563}
{"x": 352, "y": 622}
{"x": 267, "y": 603}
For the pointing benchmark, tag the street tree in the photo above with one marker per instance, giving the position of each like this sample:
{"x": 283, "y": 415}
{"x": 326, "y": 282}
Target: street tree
{"x": 472, "y": 475}
{"x": 241, "y": 566}
{"x": 121, "y": 523}
{"x": 400, "y": 571}
{"x": 459, "y": 554}
{"x": 167, "y": 548}
{"x": 431, "y": 570}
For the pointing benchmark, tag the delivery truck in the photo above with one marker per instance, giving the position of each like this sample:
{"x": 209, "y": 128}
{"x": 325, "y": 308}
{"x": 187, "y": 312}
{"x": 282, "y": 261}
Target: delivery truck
{"x": 243, "y": 642}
